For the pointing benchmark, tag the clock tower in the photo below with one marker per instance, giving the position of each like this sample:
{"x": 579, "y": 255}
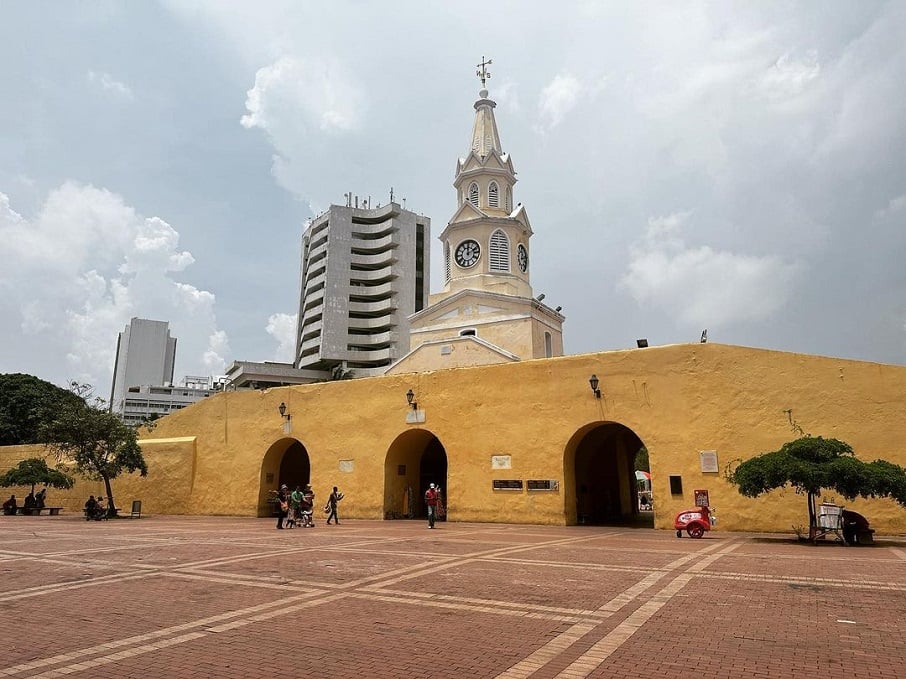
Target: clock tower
{"x": 486, "y": 312}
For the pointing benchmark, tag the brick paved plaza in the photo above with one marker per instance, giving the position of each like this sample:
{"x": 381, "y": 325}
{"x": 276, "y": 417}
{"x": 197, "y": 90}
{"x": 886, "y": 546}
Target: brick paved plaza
{"x": 228, "y": 597}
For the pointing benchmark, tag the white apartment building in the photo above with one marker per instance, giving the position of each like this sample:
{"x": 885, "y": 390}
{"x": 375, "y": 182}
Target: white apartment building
{"x": 364, "y": 272}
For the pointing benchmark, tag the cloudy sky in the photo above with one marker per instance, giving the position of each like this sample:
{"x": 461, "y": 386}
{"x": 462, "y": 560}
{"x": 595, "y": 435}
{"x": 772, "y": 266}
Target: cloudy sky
{"x": 739, "y": 167}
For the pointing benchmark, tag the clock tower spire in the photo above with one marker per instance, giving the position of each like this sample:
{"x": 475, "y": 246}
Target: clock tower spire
{"x": 486, "y": 242}
{"x": 486, "y": 312}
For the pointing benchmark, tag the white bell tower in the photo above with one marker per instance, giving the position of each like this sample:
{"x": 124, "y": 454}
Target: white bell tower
{"x": 486, "y": 312}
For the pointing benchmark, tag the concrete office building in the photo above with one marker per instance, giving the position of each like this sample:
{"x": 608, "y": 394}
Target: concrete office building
{"x": 145, "y": 354}
{"x": 149, "y": 401}
{"x": 364, "y": 272}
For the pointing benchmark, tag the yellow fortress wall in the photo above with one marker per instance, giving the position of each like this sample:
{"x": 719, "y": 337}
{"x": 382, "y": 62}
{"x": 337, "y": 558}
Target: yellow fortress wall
{"x": 532, "y": 420}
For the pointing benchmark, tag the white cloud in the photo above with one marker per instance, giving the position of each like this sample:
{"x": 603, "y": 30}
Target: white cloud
{"x": 789, "y": 77}
{"x": 108, "y": 83}
{"x": 558, "y": 98}
{"x": 894, "y": 206}
{"x": 323, "y": 94}
{"x": 87, "y": 263}
{"x": 701, "y": 286}
{"x": 282, "y": 327}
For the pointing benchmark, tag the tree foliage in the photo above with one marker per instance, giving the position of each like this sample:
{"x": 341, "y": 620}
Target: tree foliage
{"x": 35, "y": 471}
{"x": 811, "y": 464}
{"x": 641, "y": 460}
{"x": 25, "y": 402}
{"x": 97, "y": 442}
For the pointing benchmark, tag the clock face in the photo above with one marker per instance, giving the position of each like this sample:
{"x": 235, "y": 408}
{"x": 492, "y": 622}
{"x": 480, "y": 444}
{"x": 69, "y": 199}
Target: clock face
{"x": 522, "y": 257}
{"x": 467, "y": 253}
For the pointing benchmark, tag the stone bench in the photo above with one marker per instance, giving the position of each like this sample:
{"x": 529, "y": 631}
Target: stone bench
{"x": 37, "y": 511}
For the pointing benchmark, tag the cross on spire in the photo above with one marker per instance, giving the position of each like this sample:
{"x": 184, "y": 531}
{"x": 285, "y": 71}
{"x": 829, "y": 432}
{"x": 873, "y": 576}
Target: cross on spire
{"x": 483, "y": 73}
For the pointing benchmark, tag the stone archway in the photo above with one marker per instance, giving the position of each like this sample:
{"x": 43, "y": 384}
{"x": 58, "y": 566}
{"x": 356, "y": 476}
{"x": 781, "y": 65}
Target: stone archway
{"x": 599, "y": 473}
{"x": 414, "y": 459}
{"x": 286, "y": 461}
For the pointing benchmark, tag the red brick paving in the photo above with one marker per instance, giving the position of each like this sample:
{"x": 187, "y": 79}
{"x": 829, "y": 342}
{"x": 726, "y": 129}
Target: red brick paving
{"x": 226, "y": 597}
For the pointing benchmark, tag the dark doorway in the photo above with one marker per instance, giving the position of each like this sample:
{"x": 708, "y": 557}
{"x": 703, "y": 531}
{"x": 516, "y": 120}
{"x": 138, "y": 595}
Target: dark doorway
{"x": 295, "y": 468}
{"x": 604, "y": 488}
{"x": 286, "y": 461}
{"x": 415, "y": 459}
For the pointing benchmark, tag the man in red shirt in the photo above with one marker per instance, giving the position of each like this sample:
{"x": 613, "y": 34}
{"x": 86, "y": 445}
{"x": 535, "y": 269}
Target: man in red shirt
{"x": 431, "y": 501}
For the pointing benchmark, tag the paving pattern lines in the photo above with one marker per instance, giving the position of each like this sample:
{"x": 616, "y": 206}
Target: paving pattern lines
{"x": 316, "y": 598}
{"x": 152, "y": 641}
{"x": 598, "y": 653}
{"x": 754, "y": 629}
{"x": 358, "y": 637}
{"x": 149, "y": 569}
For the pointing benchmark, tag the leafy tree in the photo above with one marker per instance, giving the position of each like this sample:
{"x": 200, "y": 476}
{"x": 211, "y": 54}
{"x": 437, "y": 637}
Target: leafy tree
{"x": 25, "y": 402}
{"x": 33, "y": 471}
{"x": 641, "y": 460}
{"x": 97, "y": 442}
{"x": 812, "y": 463}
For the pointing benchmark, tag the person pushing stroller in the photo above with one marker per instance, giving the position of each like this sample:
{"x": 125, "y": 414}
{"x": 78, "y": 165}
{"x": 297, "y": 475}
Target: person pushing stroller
{"x": 306, "y": 506}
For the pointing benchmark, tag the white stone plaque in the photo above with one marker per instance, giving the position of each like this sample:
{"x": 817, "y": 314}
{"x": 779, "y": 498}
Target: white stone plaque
{"x": 347, "y": 466}
{"x": 708, "y": 460}
{"x": 501, "y": 462}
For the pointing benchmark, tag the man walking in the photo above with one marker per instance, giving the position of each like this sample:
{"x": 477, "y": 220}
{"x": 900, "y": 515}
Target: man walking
{"x": 332, "y": 501}
{"x": 431, "y": 501}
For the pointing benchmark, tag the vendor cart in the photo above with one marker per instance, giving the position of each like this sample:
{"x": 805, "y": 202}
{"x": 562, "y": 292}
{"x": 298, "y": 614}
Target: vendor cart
{"x": 694, "y": 521}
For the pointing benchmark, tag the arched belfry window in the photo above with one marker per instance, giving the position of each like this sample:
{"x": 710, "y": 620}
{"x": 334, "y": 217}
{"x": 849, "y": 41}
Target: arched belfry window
{"x": 493, "y": 195}
{"x": 509, "y": 199}
{"x": 499, "y": 251}
{"x": 473, "y": 194}
{"x": 447, "y": 274}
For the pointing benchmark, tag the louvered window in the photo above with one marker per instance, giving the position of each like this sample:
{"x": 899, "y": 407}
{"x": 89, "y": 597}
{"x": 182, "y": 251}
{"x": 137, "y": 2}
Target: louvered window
{"x": 493, "y": 195}
{"x": 499, "y": 251}
{"x": 447, "y": 274}
{"x": 473, "y": 194}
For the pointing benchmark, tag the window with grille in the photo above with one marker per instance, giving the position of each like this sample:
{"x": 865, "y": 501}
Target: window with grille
{"x": 473, "y": 194}
{"x": 499, "y": 251}
{"x": 447, "y": 274}
{"x": 493, "y": 195}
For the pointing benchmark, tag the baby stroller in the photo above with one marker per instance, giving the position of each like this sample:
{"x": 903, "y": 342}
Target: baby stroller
{"x": 305, "y": 519}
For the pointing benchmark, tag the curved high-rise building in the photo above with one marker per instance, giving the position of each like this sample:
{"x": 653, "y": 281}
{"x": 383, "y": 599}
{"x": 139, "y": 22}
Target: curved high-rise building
{"x": 364, "y": 272}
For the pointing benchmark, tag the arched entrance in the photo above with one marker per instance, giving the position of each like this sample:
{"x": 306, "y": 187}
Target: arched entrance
{"x": 599, "y": 470}
{"x": 415, "y": 459}
{"x": 286, "y": 461}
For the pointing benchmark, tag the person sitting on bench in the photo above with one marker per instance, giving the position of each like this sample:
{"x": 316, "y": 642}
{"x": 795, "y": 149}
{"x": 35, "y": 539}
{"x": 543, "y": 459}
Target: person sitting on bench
{"x": 91, "y": 508}
{"x": 40, "y": 499}
{"x": 10, "y": 506}
{"x": 30, "y": 504}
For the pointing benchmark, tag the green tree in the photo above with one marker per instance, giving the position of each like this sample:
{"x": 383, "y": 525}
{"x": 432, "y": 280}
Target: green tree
{"x": 25, "y": 402}
{"x": 99, "y": 444}
{"x": 33, "y": 471}
{"x": 641, "y": 460}
{"x": 811, "y": 464}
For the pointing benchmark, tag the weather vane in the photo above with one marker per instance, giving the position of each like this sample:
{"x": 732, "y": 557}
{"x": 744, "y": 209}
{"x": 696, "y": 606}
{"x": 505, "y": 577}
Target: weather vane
{"x": 483, "y": 73}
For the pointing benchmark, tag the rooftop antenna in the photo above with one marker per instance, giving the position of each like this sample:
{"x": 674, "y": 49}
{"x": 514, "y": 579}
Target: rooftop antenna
{"x": 483, "y": 73}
